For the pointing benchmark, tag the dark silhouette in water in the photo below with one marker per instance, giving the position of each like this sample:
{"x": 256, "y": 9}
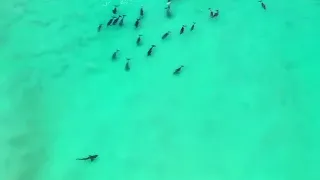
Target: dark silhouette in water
{"x": 150, "y": 50}
{"x": 192, "y": 27}
{"x": 127, "y": 67}
{"x": 165, "y": 35}
{"x": 138, "y": 42}
{"x": 178, "y": 70}
{"x": 90, "y": 157}
{"x": 121, "y": 21}
{"x": 213, "y": 14}
{"x": 115, "y": 10}
{"x": 110, "y": 21}
{"x": 263, "y": 5}
{"x": 141, "y": 11}
{"x": 99, "y": 27}
{"x": 137, "y": 23}
{"x": 182, "y": 29}
{"x": 116, "y": 20}
{"x": 115, "y": 54}
{"x": 168, "y": 11}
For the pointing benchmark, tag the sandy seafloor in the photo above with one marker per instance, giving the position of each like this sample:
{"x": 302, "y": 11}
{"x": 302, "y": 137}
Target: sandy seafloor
{"x": 245, "y": 107}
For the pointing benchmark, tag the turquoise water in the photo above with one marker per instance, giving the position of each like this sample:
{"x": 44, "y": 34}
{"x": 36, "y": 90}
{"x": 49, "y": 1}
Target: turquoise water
{"x": 245, "y": 106}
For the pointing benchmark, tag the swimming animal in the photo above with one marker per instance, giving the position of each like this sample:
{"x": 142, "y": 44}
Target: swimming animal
{"x": 90, "y": 157}
{"x": 141, "y": 11}
{"x": 192, "y": 27}
{"x": 150, "y": 50}
{"x": 116, "y": 20}
{"x": 263, "y": 5}
{"x": 138, "y": 42}
{"x": 121, "y": 21}
{"x": 165, "y": 35}
{"x": 137, "y": 23}
{"x": 213, "y": 14}
{"x": 127, "y": 66}
{"x": 115, "y": 10}
{"x": 178, "y": 70}
{"x": 182, "y": 29}
{"x": 168, "y": 10}
{"x": 99, "y": 27}
{"x": 115, "y": 54}
{"x": 110, "y": 21}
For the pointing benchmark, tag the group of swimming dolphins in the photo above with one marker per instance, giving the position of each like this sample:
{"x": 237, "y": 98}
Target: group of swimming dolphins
{"x": 114, "y": 21}
{"x": 177, "y": 71}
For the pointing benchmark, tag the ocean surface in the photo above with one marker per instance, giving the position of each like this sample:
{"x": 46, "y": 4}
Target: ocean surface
{"x": 245, "y": 105}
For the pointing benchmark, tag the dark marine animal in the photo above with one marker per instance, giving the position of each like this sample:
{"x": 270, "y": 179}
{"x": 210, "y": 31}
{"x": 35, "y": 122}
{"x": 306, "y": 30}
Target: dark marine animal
{"x": 115, "y": 54}
{"x": 110, "y": 21}
{"x": 168, "y": 11}
{"x": 178, "y": 70}
{"x": 192, "y": 27}
{"x": 116, "y": 20}
{"x": 263, "y": 5}
{"x": 141, "y": 11}
{"x": 182, "y": 29}
{"x": 150, "y": 50}
{"x": 137, "y": 23}
{"x": 100, "y": 27}
{"x": 165, "y": 35}
{"x": 115, "y": 10}
{"x": 213, "y": 14}
{"x": 127, "y": 66}
{"x": 90, "y": 157}
{"x": 138, "y": 42}
{"x": 121, "y": 21}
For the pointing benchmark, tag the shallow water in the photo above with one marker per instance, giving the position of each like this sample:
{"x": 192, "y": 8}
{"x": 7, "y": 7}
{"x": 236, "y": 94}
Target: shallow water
{"x": 244, "y": 106}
